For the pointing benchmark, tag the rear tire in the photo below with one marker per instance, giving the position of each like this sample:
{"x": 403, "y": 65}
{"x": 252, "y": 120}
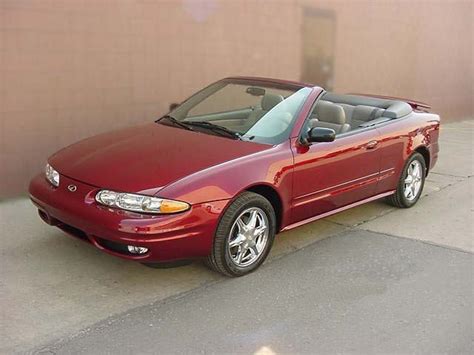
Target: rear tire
{"x": 244, "y": 236}
{"x": 410, "y": 185}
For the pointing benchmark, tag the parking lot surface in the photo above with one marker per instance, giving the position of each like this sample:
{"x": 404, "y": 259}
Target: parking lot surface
{"x": 371, "y": 276}
{"x": 358, "y": 292}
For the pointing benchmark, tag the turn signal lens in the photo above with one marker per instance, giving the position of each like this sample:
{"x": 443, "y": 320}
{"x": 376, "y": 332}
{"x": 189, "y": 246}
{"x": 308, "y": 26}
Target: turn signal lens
{"x": 140, "y": 203}
{"x": 168, "y": 206}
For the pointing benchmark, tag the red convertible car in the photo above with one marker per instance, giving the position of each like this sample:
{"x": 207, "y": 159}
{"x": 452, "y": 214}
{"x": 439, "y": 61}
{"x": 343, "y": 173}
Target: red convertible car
{"x": 233, "y": 165}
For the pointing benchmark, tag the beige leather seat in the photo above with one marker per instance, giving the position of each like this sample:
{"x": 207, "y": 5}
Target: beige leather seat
{"x": 268, "y": 102}
{"x": 348, "y": 110}
{"x": 363, "y": 114}
{"x": 329, "y": 115}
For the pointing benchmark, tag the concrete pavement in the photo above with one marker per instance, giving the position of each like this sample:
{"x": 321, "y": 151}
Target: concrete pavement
{"x": 54, "y": 287}
{"x": 358, "y": 292}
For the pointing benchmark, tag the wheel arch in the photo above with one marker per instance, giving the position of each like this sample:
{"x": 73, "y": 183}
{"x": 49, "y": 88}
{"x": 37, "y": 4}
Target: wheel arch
{"x": 272, "y": 195}
{"x": 424, "y": 151}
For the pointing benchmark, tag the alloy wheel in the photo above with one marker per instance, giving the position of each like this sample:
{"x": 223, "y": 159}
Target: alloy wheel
{"x": 248, "y": 237}
{"x": 413, "y": 180}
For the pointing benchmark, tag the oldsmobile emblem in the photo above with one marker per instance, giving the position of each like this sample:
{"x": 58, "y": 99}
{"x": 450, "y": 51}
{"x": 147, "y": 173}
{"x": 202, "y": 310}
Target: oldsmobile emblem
{"x": 72, "y": 188}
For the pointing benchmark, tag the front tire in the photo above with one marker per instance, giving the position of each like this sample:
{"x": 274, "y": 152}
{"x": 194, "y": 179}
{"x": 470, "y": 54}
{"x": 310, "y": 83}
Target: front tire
{"x": 410, "y": 185}
{"x": 244, "y": 236}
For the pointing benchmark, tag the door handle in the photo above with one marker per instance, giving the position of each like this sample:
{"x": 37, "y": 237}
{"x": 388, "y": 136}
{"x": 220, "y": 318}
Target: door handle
{"x": 372, "y": 145}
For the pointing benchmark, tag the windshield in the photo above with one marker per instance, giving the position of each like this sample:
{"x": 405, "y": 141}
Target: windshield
{"x": 256, "y": 113}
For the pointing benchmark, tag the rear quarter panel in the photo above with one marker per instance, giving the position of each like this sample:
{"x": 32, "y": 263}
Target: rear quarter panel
{"x": 398, "y": 139}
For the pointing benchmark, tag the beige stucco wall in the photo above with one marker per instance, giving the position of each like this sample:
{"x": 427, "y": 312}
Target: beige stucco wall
{"x": 70, "y": 69}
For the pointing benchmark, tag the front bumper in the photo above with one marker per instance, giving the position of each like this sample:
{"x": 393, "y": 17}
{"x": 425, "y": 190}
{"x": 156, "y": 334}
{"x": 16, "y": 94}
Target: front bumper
{"x": 168, "y": 237}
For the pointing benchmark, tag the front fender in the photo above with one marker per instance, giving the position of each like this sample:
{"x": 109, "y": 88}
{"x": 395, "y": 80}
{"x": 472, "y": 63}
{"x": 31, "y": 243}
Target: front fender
{"x": 271, "y": 167}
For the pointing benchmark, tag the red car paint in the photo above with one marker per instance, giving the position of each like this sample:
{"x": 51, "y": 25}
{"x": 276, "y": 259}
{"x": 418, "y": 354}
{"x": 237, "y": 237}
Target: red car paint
{"x": 208, "y": 171}
{"x": 164, "y": 153}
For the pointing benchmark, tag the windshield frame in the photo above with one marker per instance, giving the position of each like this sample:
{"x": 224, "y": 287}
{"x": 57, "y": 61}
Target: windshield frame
{"x": 198, "y": 97}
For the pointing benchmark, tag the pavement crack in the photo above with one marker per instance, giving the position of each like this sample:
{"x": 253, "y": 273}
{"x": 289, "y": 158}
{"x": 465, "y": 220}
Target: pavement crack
{"x": 383, "y": 213}
{"x": 450, "y": 175}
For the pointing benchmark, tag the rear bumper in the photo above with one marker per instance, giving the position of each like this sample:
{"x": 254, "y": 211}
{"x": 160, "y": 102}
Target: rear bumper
{"x": 172, "y": 237}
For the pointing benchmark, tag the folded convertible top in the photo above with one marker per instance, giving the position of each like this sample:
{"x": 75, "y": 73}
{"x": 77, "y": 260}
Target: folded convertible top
{"x": 416, "y": 105}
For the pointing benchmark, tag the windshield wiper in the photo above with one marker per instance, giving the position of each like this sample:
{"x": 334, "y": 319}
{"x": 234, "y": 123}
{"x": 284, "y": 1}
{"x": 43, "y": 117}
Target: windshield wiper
{"x": 214, "y": 127}
{"x": 175, "y": 122}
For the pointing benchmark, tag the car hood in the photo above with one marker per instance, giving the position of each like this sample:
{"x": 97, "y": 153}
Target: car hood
{"x": 146, "y": 158}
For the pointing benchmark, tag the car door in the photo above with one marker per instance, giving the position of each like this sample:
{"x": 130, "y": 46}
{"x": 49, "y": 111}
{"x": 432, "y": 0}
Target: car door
{"x": 331, "y": 175}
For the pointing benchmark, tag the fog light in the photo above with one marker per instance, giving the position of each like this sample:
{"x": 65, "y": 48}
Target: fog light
{"x": 137, "y": 250}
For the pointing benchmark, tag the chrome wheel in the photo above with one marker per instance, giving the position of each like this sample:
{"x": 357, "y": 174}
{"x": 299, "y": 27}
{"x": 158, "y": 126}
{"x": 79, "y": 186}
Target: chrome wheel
{"x": 248, "y": 237}
{"x": 413, "y": 180}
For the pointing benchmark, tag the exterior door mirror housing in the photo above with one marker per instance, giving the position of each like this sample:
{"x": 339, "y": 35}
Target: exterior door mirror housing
{"x": 320, "y": 134}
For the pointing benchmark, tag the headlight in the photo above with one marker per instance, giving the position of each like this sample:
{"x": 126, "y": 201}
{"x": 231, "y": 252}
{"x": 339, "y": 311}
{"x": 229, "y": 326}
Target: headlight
{"x": 139, "y": 203}
{"x": 51, "y": 175}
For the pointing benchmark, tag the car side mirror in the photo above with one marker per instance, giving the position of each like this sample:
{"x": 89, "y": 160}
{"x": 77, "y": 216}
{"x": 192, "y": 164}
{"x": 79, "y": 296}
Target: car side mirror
{"x": 173, "y": 106}
{"x": 320, "y": 134}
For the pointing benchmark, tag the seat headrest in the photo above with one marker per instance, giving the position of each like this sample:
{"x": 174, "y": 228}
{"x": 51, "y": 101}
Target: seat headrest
{"x": 270, "y": 100}
{"x": 328, "y": 112}
{"x": 398, "y": 109}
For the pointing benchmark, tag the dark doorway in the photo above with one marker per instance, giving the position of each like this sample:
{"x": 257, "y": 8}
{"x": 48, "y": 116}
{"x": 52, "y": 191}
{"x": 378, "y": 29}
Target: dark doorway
{"x": 318, "y": 35}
